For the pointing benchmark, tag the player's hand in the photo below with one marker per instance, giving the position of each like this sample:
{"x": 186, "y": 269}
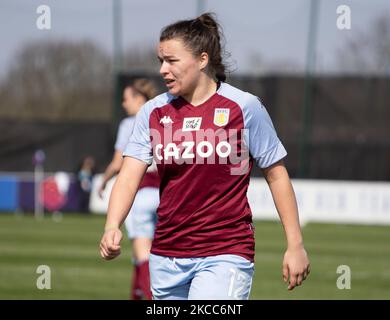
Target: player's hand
{"x": 110, "y": 244}
{"x": 296, "y": 267}
{"x": 101, "y": 190}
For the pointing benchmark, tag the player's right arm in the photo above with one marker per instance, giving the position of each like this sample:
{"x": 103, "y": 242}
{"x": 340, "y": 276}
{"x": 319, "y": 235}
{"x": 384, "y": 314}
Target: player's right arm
{"x": 121, "y": 200}
{"x": 112, "y": 169}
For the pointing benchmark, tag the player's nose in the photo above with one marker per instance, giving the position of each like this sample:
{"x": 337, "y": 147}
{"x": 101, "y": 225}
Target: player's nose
{"x": 164, "y": 70}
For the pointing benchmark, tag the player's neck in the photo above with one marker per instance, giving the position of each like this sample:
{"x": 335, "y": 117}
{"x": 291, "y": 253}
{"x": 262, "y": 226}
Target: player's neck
{"x": 202, "y": 92}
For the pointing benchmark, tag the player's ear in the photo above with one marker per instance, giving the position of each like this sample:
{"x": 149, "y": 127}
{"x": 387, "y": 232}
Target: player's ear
{"x": 203, "y": 60}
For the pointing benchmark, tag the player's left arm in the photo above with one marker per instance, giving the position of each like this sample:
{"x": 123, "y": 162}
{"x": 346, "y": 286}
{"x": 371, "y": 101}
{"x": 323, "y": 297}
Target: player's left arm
{"x": 112, "y": 169}
{"x": 296, "y": 265}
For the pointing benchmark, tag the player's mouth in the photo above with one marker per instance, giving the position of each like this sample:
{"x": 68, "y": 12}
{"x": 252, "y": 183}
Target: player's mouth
{"x": 169, "y": 83}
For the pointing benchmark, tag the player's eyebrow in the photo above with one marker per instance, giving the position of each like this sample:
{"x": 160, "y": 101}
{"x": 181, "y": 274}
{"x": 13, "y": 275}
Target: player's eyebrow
{"x": 166, "y": 57}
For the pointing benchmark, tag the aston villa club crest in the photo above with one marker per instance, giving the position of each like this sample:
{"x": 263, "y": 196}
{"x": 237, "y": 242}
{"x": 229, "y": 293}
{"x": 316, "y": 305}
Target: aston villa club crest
{"x": 221, "y": 117}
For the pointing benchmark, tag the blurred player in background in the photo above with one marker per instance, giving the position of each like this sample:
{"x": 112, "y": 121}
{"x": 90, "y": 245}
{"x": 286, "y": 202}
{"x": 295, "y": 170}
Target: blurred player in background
{"x": 140, "y": 223}
{"x": 85, "y": 174}
{"x": 204, "y": 241}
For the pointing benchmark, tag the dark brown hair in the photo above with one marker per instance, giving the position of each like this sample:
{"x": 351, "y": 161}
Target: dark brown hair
{"x": 202, "y": 34}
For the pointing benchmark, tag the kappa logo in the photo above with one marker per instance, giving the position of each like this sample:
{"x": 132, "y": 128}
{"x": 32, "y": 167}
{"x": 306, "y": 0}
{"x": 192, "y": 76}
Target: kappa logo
{"x": 166, "y": 120}
{"x": 221, "y": 116}
{"x": 191, "y": 124}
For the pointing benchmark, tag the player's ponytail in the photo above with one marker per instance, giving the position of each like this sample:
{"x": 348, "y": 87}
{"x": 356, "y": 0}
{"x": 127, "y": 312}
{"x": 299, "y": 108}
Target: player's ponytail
{"x": 202, "y": 34}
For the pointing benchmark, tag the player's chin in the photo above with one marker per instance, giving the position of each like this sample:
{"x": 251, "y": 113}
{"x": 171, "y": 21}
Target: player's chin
{"x": 174, "y": 90}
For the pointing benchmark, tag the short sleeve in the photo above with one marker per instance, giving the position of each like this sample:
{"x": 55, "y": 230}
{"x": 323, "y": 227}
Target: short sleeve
{"x": 125, "y": 130}
{"x": 260, "y": 136}
{"x": 139, "y": 146}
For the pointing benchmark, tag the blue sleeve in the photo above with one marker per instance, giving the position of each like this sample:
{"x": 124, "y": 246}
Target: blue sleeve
{"x": 139, "y": 146}
{"x": 124, "y": 133}
{"x": 260, "y": 135}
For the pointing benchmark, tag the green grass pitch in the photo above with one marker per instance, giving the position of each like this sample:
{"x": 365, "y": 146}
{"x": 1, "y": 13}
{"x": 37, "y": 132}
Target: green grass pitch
{"x": 70, "y": 248}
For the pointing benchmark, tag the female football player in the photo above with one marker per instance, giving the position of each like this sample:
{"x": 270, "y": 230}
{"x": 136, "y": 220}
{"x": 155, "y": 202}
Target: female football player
{"x": 140, "y": 223}
{"x": 205, "y": 135}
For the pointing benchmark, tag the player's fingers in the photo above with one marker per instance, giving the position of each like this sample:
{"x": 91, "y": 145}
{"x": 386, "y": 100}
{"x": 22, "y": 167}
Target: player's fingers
{"x": 292, "y": 282}
{"x": 113, "y": 248}
{"x": 108, "y": 240}
{"x": 104, "y": 243}
{"x": 113, "y": 255}
{"x": 103, "y": 252}
{"x": 107, "y": 255}
{"x": 109, "y": 248}
{"x": 299, "y": 279}
{"x": 306, "y": 273}
{"x": 285, "y": 272}
{"x": 104, "y": 248}
{"x": 117, "y": 238}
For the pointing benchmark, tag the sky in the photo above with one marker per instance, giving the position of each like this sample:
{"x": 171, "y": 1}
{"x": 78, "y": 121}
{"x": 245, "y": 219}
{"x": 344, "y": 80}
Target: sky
{"x": 274, "y": 31}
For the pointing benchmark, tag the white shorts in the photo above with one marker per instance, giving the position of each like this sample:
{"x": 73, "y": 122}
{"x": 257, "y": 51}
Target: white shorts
{"x": 142, "y": 218}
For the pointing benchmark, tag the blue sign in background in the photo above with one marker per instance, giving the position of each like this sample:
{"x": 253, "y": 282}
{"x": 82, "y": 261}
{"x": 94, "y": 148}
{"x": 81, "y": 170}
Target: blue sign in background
{"x": 9, "y": 193}
{"x": 18, "y": 195}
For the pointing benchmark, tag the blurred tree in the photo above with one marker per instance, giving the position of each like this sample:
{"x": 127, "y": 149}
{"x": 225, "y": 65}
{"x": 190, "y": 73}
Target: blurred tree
{"x": 261, "y": 66}
{"x": 58, "y": 81}
{"x": 367, "y": 52}
{"x": 66, "y": 81}
{"x": 141, "y": 59}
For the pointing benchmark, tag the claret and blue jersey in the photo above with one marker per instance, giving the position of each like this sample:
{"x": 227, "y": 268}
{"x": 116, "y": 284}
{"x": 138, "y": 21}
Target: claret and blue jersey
{"x": 204, "y": 155}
